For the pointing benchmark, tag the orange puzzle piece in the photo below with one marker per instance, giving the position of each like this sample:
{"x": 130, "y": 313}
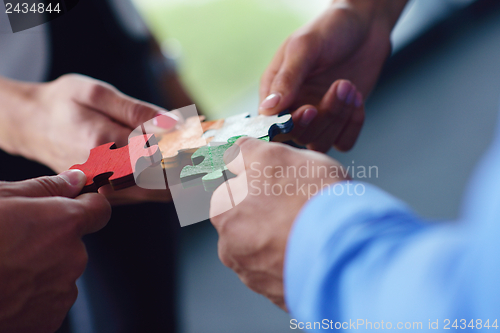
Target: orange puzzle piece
{"x": 109, "y": 165}
{"x": 180, "y": 144}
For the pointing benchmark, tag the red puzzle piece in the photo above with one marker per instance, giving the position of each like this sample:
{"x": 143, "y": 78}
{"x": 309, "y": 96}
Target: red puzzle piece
{"x": 108, "y": 165}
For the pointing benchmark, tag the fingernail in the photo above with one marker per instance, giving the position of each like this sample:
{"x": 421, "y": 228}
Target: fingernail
{"x": 359, "y": 100}
{"x": 165, "y": 120}
{"x": 73, "y": 177}
{"x": 271, "y": 101}
{"x": 343, "y": 90}
{"x": 308, "y": 116}
{"x": 351, "y": 97}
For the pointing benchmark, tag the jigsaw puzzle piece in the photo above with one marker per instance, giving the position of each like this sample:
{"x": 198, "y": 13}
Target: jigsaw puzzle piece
{"x": 208, "y": 166}
{"x": 255, "y": 127}
{"x": 109, "y": 165}
{"x": 177, "y": 145}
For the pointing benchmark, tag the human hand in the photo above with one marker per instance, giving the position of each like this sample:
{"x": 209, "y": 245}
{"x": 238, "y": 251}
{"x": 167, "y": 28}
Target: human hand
{"x": 350, "y": 40}
{"x": 75, "y": 113}
{"x": 268, "y": 193}
{"x": 58, "y": 123}
{"x": 41, "y": 251}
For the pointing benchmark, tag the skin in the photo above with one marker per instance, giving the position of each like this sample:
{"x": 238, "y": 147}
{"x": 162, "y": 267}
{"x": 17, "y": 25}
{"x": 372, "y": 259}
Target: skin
{"x": 174, "y": 92}
{"x": 43, "y": 220}
{"x": 57, "y": 124}
{"x": 350, "y": 40}
{"x": 42, "y": 254}
{"x": 253, "y": 235}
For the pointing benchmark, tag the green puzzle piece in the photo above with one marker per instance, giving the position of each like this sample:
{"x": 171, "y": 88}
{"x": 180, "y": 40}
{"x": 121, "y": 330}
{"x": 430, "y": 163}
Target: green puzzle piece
{"x": 208, "y": 166}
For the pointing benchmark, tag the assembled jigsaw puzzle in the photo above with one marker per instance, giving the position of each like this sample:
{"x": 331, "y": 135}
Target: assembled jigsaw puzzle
{"x": 109, "y": 165}
{"x": 255, "y": 127}
{"x": 208, "y": 164}
{"x": 178, "y": 145}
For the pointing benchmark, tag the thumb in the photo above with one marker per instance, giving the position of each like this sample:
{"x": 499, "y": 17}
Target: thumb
{"x": 288, "y": 80}
{"x": 132, "y": 113}
{"x": 68, "y": 184}
{"x": 124, "y": 109}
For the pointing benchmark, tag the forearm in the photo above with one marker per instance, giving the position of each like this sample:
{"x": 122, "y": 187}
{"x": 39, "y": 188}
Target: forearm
{"x": 373, "y": 259}
{"x": 16, "y": 97}
{"x": 386, "y": 11}
{"x": 175, "y": 94}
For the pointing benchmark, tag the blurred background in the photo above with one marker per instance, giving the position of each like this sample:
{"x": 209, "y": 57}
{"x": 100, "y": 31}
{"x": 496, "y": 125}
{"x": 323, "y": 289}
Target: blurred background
{"x": 428, "y": 122}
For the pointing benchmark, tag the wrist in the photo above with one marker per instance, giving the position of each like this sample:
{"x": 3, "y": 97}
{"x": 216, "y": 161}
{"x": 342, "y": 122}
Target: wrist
{"x": 175, "y": 92}
{"x": 384, "y": 12}
{"x": 17, "y": 99}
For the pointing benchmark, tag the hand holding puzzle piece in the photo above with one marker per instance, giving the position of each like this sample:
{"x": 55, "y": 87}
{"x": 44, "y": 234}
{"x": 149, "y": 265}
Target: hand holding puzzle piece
{"x": 108, "y": 165}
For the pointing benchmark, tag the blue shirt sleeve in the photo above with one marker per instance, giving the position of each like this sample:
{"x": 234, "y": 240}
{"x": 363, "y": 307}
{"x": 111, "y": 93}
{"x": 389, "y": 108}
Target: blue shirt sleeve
{"x": 358, "y": 257}
{"x": 366, "y": 258}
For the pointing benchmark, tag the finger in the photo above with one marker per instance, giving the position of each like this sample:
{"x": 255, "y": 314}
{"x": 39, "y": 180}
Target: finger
{"x": 322, "y": 144}
{"x": 298, "y": 60}
{"x": 96, "y": 213}
{"x": 344, "y": 102}
{"x": 219, "y": 203}
{"x": 166, "y": 120}
{"x": 249, "y": 154}
{"x": 68, "y": 184}
{"x": 271, "y": 71}
{"x": 88, "y": 213}
{"x": 227, "y": 196}
{"x": 134, "y": 195}
{"x": 234, "y": 160}
{"x": 302, "y": 118}
{"x": 256, "y": 155}
{"x": 105, "y": 130}
{"x": 334, "y": 112}
{"x": 161, "y": 124}
{"x": 350, "y": 134}
{"x": 108, "y": 100}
